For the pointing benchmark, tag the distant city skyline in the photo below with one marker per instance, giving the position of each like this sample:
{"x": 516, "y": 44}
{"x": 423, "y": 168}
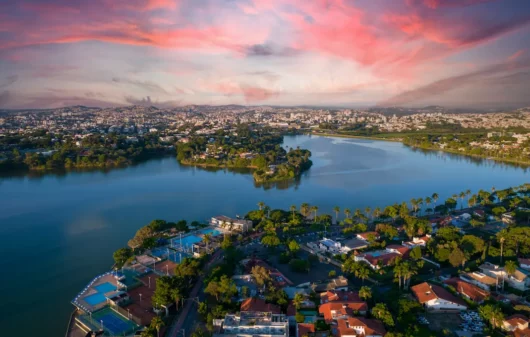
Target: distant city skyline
{"x": 455, "y": 53}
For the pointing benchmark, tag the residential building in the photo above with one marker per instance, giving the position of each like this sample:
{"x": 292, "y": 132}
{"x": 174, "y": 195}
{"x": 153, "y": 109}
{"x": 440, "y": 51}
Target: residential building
{"x": 233, "y": 225}
{"x": 516, "y": 323}
{"x": 328, "y": 245}
{"x": 338, "y": 310}
{"x": 480, "y": 280}
{"x": 255, "y": 304}
{"x": 417, "y": 241}
{"x": 519, "y": 280}
{"x": 435, "y": 297}
{"x": 383, "y": 258}
{"x": 367, "y": 235}
{"x": 360, "y": 327}
{"x": 338, "y": 284}
{"x": 353, "y": 244}
{"x": 252, "y": 324}
{"x": 524, "y": 263}
{"x": 468, "y": 290}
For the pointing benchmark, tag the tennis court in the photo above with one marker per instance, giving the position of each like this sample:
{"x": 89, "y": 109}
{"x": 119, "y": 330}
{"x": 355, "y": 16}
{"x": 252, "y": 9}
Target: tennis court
{"x": 113, "y": 322}
{"x": 160, "y": 252}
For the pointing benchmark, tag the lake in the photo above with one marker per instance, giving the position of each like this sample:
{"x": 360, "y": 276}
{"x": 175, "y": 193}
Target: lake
{"x": 58, "y": 232}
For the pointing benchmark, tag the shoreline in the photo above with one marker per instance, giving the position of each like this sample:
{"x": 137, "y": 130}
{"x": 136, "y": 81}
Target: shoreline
{"x": 398, "y": 140}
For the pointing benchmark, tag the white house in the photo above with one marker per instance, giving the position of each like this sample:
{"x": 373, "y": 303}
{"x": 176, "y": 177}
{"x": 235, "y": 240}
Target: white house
{"x": 435, "y": 297}
{"x": 524, "y": 263}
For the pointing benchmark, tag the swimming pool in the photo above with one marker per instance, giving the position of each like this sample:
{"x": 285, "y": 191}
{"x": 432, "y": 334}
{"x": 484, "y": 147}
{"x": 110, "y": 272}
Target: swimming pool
{"x": 105, "y": 287}
{"x": 95, "y": 299}
{"x": 213, "y": 232}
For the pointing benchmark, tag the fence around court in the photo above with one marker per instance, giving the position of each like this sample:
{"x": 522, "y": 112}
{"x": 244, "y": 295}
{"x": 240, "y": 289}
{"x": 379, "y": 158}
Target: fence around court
{"x": 125, "y": 313}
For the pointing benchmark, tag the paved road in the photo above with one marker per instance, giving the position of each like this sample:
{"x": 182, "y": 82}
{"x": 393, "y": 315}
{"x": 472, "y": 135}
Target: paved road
{"x": 188, "y": 315}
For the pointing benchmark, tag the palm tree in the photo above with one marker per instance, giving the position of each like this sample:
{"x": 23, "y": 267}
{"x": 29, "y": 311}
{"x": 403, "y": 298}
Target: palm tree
{"x": 362, "y": 273}
{"x": 304, "y": 208}
{"x": 207, "y": 238}
{"x": 261, "y": 204}
{"x": 377, "y": 212}
{"x": 157, "y": 323}
{"x": 298, "y": 300}
{"x": 468, "y": 193}
{"x": 336, "y": 209}
{"x": 420, "y": 203}
{"x": 413, "y": 204}
{"x": 462, "y": 196}
{"x": 510, "y": 267}
{"x": 435, "y": 199}
{"x": 368, "y": 212}
{"x": 365, "y": 293}
{"x": 408, "y": 272}
{"x": 501, "y": 236}
{"x": 357, "y": 214}
{"x": 347, "y": 212}
{"x": 314, "y": 209}
{"x": 428, "y": 201}
{"x": 398, "y": 272}
{"x": 293, "y": 209}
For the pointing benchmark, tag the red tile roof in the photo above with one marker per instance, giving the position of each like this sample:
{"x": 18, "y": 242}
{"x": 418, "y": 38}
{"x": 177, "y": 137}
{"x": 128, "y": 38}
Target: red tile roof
{"x": 401, "y": 249}
{"x": 516, "y": 319}
{"x": 305, "y": 329}
{"x": 371, "y": 327}
{"x": 386, "y": 259}
{"x": 341, "y": 309}
{"x": 475, "y": 293}
{"x": 426, "y": 292}
{"x": 340, "y": 296}
{"x": 259, "y": 305}
{"x": 521, "y": 333}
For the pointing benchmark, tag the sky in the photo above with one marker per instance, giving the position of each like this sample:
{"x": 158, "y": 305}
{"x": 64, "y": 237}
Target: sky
{"x": 349, "y": 53}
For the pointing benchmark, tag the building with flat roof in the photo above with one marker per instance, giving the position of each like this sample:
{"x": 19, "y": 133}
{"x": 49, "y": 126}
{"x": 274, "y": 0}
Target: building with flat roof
{"x": 231, "y": 224}
{"x": 252, "y": 324}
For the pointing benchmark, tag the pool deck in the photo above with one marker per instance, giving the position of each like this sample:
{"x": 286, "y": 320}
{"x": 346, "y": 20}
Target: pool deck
{"x": 92, "y": 290}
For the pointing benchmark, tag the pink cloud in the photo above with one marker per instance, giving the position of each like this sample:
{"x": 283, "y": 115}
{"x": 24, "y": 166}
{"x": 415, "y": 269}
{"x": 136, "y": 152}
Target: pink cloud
{"x": 516, "y": 55}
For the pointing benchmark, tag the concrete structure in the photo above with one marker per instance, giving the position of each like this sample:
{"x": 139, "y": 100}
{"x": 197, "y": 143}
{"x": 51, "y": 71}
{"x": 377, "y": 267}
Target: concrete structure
{"x": 252, "y": 324}
{"x": 233, "y": 225}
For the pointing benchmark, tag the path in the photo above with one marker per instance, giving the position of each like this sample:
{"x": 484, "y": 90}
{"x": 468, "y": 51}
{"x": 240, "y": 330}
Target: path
{"x": 184, "y": 314}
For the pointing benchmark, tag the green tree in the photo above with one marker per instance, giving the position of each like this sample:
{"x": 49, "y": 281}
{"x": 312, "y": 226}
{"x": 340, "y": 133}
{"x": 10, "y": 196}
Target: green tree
{"x": 157, "y": 323}
{"x": 457, "y": 257}
{"x": 270, "y": 240}
{"x": 381, "y": 312}
{"x": 510, "y": 267}
{"x": 415, "y": 253}
{"x": 294, "y": 247}
{"x": 298, "y": 300}
{"x": 332, "y": 274}
{"x": 121, "y": 256}
{"x": 365, "y": 293}
{"x": 336, "y": 209}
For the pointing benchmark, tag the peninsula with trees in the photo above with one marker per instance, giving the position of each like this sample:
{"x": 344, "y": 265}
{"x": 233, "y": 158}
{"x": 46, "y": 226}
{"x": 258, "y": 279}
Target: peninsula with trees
{"x": 256, "y": 149}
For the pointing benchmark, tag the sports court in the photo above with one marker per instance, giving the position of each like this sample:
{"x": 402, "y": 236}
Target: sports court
{"x": 112, "y": 322}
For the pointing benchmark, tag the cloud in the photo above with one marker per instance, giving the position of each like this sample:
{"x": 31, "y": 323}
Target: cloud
{"x": 254, "y": 94}
{"x": 435, "y": 4}
{"x": 9, "y": 80}
{"x": 266, "y": 49}
{"x": 145, "y": 85}
{"x": 440, "y": 87}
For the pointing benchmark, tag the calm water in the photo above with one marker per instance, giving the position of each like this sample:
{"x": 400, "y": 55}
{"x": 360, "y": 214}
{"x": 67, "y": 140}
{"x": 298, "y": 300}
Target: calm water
{"x": 57, "y": 233}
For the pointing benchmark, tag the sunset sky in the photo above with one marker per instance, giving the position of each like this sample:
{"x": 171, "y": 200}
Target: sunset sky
{"x": 351, "y": 53}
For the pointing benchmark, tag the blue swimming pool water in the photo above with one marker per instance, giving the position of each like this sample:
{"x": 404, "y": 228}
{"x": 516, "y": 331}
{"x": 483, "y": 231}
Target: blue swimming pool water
{"x": 95, "y": 299}
{"x": 105, "y": 287}
{"x": 213, "y": 232}
{"x": 376, "y": 254}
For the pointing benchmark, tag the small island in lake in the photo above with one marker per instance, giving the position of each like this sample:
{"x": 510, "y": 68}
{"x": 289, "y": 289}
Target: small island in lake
{"x": 259, "y": 150}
